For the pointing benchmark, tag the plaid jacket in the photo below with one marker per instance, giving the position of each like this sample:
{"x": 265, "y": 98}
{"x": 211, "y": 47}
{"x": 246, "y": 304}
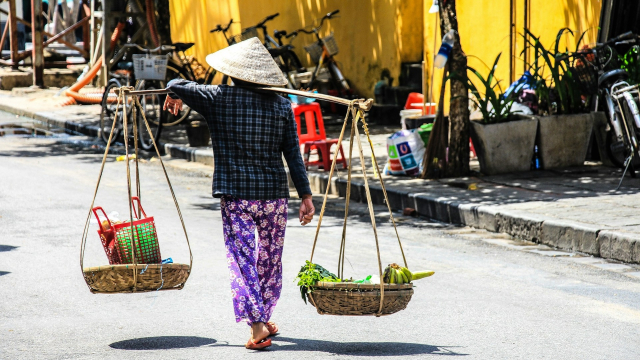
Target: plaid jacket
{"x": 250, "y": 131}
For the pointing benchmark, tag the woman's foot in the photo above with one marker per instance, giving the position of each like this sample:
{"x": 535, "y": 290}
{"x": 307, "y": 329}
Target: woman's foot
{"x": 272, "y": 327}
{"x": 253, "y": 345}
{"x": 259, "y": 334}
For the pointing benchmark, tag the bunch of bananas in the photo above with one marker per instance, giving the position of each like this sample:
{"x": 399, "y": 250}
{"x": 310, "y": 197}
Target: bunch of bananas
{"x": 396, "y": 274}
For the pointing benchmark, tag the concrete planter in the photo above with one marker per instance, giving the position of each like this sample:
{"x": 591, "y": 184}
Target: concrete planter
{"x": 505, "y": 147}
{"x": 564, "y": 139}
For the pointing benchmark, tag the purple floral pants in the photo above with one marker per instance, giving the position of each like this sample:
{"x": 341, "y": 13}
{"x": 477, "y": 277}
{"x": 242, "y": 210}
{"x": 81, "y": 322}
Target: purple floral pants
{"x": 255, "y": 267}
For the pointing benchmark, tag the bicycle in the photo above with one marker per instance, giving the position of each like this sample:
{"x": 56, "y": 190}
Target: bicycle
{"x": 599, "y": 74}
{"x": 322, "y": 53}
{"x": 152, "y": 103}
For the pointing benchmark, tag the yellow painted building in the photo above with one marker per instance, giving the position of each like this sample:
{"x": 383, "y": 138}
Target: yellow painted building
{"x": 484, "y": 27}
{"x": 377, "y": 34}
{"x": 371, "y": 34}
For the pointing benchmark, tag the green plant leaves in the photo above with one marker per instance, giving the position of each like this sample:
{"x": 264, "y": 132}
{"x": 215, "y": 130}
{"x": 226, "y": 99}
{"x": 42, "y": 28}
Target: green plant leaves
{"x": 488, "y": 98}
{"x": 310, "y": 274}
{"x": 563, "y": 82}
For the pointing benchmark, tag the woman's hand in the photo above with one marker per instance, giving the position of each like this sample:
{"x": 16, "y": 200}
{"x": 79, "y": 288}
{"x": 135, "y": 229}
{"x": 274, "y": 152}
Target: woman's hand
{"x": 306, "y": 210}
{"x": 173, "y": 105}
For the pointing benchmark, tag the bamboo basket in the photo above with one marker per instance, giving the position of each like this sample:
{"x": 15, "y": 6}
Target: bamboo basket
{"x": 344, "y": 298}
{"x": 139, "y": 242}
{"x": 113, "y": 279}
{"x": 351, "y": 299}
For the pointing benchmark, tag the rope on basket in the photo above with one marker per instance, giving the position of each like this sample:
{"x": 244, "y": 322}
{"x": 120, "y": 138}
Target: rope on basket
{"x": 357, "y": 114}
{"x": 122, "y": 99}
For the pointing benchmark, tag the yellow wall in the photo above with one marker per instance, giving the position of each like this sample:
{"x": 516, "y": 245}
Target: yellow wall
{"x": 484, "y": 31}
{"x": 371, "y": 34}
{"x": 191, "y": 21}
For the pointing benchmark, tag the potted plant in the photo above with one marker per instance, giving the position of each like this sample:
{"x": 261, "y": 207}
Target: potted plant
{"x": 565, "y": 123}
{"x": 503, "y": 140}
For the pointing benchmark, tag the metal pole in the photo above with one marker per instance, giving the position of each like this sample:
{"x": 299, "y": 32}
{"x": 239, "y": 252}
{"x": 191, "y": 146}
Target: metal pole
{"x": 605, "y": 20}
{"x": 13, "y": 36}
{"x": 37, "y": 57}
{"x": 527, "y": 25}
{"x": 512, "y": 36}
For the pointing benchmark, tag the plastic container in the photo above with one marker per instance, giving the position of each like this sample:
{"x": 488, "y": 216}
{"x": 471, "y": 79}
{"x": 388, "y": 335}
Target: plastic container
{"x": 408, "y": 114}
{"x": 416, "y": 122}
{"x": 445, "y": 49}
{"x": 198, "y": 133}
{"x": 301, "y": 100}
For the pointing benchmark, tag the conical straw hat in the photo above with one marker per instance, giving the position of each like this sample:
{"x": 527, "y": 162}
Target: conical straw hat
{"x": 249, "y": 61}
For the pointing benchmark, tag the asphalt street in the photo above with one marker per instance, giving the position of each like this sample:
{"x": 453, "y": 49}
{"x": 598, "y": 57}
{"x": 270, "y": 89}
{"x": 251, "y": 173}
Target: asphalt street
{"x": 484, "y": 301}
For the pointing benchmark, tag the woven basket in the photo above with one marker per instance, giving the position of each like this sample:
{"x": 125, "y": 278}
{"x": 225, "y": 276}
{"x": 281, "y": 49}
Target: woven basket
{"x": 112, "y": 279}
{"x": 359, "y": 299}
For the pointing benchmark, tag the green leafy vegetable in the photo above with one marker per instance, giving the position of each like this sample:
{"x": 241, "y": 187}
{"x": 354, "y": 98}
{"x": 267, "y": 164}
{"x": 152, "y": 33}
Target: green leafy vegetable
{"x": 310, "y": 274}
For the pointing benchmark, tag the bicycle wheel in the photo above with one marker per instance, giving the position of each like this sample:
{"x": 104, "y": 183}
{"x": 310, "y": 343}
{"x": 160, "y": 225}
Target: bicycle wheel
{"x": 292, "y": 62}
{"x": 108, "y": 112}
{"x": 616, "y": 151}
{"x": 151, "y": 107}
{"x": 208, "y": 78}
{"x": 175, "y": 72}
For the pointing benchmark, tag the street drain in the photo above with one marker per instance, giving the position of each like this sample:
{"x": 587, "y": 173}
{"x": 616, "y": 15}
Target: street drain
{"x": 24, "y": 130}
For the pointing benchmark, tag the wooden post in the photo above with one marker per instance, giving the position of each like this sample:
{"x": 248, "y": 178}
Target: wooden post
{"x": 86, "y": 29}
{"x": 106, "y": 40}
{"x": 13, "y": 35}
{"x": 37, "y": 57}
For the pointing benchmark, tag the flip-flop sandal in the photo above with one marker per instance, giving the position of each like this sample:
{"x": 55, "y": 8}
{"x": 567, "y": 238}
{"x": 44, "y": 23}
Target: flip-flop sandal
{"x": 272, "y": 327}
{"x": 251, "y": 345}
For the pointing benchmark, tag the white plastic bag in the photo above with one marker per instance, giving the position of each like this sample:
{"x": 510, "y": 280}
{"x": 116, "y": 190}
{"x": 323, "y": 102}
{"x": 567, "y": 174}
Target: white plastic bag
{"x": 405, "y": 151}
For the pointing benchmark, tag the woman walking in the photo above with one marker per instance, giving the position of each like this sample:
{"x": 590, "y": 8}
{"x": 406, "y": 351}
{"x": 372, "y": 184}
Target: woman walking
{"x": 250, "y": 132}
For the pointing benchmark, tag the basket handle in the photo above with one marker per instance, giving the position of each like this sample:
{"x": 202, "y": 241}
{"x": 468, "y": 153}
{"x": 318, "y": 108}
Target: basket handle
{"x": 95, "y": 212}
{"x": 133, "y": 203}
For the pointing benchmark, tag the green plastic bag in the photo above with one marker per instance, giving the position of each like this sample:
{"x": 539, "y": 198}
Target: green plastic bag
{"x": 425, "y": 132}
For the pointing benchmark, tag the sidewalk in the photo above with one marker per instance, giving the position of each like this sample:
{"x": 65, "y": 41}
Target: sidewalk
{"x": 573, "y": 209}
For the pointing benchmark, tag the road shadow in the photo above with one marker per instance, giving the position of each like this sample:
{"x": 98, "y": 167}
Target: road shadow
{"x": 4, "y": 273}
{"x": 208, "y": 206}
{"x": 362, "y": 348}
{"x": 162, "y": 343}
{"x": 5, "y": 248}
{"x": 58, "y": 148}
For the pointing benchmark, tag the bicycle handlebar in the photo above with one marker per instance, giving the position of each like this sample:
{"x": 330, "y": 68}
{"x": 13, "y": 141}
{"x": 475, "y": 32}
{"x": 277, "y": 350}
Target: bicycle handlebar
{"x": 327, "y": 17}
{"x": 122, "y": 51}
{"x": 624, "y": 36}
{"x": 314, "y": 30}
{"x": 268, "y": 18}
{"x": 147, "y": 50}
{"x": 220, "y": 28}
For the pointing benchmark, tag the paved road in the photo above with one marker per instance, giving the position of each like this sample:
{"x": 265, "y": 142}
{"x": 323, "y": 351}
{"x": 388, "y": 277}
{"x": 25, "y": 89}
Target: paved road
{"x": 484, "y": 302}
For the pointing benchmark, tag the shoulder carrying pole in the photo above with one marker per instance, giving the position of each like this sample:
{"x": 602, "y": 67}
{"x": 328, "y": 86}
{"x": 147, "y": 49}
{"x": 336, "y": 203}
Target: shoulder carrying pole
{"x": 361, "y": 104}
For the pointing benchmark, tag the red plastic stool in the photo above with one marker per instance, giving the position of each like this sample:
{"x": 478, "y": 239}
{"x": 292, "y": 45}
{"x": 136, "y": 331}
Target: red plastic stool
{"x": 324, "y": 152}
{"x": 313, "y": 122}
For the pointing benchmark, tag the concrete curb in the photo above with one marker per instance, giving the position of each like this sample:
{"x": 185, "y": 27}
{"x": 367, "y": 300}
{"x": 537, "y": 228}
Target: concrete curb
{"x": 561, "y": 234}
